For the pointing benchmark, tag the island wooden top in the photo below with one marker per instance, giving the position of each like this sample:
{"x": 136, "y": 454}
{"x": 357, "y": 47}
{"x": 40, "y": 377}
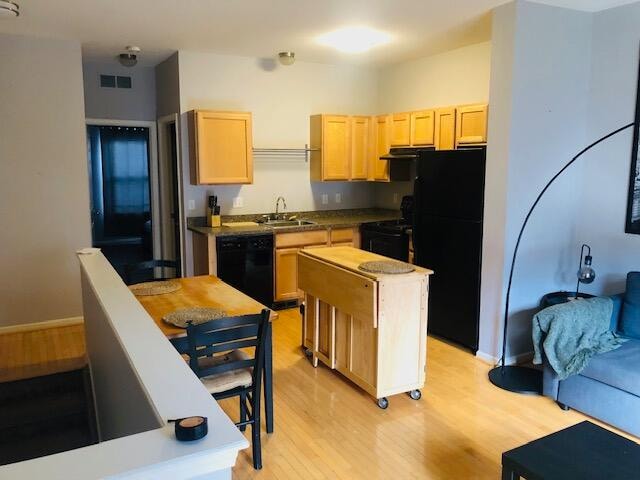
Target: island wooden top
{"x": 202, "y": 291}
{"x": 349, "y": 258}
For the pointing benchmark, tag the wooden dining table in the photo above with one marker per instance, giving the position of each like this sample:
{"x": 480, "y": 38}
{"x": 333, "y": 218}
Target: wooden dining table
{"x": 210, "y": 291}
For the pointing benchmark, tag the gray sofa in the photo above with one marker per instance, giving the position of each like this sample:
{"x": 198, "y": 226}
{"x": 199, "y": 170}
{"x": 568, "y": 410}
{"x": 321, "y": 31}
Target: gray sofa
{"x": 609, "y": 388}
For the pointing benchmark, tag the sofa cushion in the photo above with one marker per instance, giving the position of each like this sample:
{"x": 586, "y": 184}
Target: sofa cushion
{"x": 630, "y": 320}
{"x": 618, "y": 368}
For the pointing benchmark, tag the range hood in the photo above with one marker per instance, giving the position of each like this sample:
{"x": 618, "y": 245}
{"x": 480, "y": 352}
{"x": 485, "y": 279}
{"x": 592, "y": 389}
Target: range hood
{"x": 405, "y": 153}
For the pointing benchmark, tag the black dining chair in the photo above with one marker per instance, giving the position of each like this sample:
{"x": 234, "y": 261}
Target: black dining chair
{"x": 146, "y": 271}
{"x": 215, "y": 356}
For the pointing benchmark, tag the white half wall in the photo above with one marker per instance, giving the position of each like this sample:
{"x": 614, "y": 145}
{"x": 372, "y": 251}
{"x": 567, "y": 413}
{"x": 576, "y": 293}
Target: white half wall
{"x": 135, "y": 103}
{"x": 44, "y": 188}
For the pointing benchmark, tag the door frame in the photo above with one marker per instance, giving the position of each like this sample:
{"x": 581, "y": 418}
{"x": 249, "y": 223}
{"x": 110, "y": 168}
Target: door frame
{"x": 163, "y": 156}
{"x": 153, "y": 171}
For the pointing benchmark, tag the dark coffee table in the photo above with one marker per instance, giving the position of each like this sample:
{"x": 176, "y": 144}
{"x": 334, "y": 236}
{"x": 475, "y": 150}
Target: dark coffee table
{"x": 584, "y": 451}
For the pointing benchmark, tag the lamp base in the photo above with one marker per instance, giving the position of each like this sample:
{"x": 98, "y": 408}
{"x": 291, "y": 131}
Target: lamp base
{"x": 517, "y": 379}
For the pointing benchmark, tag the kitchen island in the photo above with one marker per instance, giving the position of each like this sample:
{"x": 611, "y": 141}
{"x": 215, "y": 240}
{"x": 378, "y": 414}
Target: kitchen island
{"x": 370, "y": 327}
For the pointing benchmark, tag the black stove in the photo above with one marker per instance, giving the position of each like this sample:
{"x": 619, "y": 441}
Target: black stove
{"x": 389, "y": 237}
{"x": 399, "y": 225}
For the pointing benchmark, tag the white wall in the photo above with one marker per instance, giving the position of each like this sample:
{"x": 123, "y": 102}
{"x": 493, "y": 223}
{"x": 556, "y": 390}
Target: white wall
{"x": 548, "y": 81}
{"x": 452, "y": 78}
{"x": 136, "y": 103}
{"x": 44, "y": 200}
{"x": 614, "y": 76}
{"x": 281, "y": 100}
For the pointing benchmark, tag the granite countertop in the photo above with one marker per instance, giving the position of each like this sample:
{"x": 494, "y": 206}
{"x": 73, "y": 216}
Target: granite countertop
{"x": 323, "y": 219}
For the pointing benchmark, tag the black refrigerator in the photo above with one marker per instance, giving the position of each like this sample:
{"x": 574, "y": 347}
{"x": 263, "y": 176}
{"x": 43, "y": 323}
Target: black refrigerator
{"x": 447, "y": 238}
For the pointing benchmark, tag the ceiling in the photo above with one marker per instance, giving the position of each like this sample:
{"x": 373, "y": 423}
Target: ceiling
{"x": 261, "y": 28}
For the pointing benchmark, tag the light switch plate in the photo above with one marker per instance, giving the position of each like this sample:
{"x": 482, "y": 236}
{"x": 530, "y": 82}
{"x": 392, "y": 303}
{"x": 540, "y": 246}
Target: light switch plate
{"x": 325, "y": 199}
{"x": 192, "y": 205}
{"x": 238, "y": 202}
{"x": 338, "y": 197}
{"x": 395, "y": 198}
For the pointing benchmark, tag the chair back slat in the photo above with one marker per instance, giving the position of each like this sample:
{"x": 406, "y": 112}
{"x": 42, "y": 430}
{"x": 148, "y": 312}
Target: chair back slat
{"x": 202, "y": 352}
{"x": 227, "y": 346}
{"x": 225, "y": 323}
{"x": 226, "y": 367}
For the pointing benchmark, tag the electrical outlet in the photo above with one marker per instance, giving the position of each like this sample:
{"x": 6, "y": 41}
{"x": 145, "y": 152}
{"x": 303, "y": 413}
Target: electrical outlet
{"x": 238, "y": 202}
{"x": 338, "y": 197}
{"x": 395, "y": 198}
{"x": 192, "y": 205}
{"x": 325, "y": 199}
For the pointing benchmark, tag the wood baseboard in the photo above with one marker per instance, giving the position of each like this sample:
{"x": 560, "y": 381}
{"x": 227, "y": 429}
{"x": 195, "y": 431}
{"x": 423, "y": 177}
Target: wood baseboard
{"x": 30, "y": 327}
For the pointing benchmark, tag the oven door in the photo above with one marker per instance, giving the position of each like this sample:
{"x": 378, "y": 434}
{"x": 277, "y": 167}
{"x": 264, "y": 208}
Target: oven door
{"x": 389, "y": 244}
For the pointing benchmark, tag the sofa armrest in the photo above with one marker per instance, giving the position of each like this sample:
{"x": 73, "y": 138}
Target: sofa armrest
{"x": 550, "y": 380}
{"x": 618, "y": 301}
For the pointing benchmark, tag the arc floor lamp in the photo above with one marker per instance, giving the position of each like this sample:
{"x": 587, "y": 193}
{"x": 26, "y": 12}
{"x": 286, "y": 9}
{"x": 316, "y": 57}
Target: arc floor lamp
{"x": 513, "y": 377}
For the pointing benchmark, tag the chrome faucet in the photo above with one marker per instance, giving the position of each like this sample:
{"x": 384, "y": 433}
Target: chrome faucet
{"x": 284, "y": 205}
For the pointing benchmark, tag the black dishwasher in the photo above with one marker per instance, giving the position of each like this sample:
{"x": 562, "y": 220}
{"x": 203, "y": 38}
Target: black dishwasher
{"x": 246, "y": 262}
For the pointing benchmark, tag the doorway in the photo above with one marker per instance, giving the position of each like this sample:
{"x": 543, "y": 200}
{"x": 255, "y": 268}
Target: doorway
{"x": 170, "y": 192}
{"x": 123, "y": 190}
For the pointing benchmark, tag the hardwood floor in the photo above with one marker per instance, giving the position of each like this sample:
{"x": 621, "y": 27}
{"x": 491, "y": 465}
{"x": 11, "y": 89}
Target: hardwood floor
{"x": 325, "y": 427}
{"x": 46, "y": 348}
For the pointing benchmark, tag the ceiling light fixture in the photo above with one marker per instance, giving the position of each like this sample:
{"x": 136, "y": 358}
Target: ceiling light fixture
{"x": 9, "y": 9}
{"x": 287, "y": 58}
{"x": 354, "y": 39}
{"x": 130, "y": 58}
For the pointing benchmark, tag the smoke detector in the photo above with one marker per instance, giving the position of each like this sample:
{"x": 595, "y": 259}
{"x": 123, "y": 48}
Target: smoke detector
{"x": 130, "y": 58}
{"x": 9, "y": 9}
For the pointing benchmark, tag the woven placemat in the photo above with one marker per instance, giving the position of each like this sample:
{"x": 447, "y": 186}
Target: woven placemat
{"x": 195, "y": 315}
{"x": 386, "y": 266}
{"x": 154, "y": 288}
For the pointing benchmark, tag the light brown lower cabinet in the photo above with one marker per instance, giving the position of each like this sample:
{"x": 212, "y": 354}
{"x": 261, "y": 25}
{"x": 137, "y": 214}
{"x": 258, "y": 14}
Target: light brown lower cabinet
{"x": 287, "y": 245}
{"x": 371, "y": 328}
{"x": 286, "y": 274}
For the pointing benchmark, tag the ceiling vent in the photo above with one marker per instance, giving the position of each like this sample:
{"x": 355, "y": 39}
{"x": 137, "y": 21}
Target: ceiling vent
{"x": 113, "y": 81}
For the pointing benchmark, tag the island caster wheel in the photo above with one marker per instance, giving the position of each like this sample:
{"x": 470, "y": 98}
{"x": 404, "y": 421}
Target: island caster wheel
{"x": 415, "y": 394}
{"x": 308, "y": 353}
{"x": 383, "y": 403}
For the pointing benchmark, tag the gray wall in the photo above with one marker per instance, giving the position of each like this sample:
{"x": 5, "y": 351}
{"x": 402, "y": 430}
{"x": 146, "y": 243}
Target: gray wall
{"x": 603, "y": 201}
{"x": 136, "y": 103}
{"x": 44, "y": 200}
{"x": 168, "y": 86}
{"x": 546, "y": 76}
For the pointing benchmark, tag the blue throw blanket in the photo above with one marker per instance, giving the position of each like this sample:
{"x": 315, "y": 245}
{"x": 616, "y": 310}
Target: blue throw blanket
{"x": 571, "y": 333}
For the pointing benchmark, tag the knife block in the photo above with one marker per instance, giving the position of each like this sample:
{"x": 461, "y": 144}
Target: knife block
{"x": 213, "y": 220}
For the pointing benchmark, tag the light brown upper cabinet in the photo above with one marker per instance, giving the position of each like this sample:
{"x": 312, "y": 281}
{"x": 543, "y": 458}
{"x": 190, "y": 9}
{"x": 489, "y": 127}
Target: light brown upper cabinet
{"x": 471, "y": 124}
{"x": 445, "y": 128}
{"x": 361, "y": 145}
{"x": 401, "y": 130}
{"x": 422, "y": 128}
{"x": 331, "y": 136}
{"x": 221, "y": 147}
{"x": 379, "y": 169}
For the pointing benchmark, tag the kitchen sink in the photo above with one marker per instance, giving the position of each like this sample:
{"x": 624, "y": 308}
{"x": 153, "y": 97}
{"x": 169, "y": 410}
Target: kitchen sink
{"x": 287, "y": 223}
